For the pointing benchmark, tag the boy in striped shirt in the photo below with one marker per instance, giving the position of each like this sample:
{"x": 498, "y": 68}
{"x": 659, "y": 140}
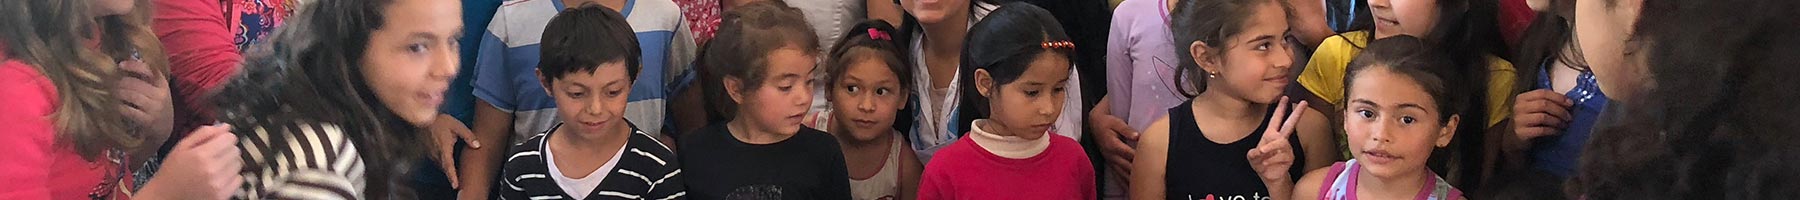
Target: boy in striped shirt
{"x": 589, "y": 64}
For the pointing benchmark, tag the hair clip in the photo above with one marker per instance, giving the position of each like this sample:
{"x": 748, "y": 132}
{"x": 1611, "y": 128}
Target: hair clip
{"x": 1058, "y": 45}
{"x": 877, "y": 34}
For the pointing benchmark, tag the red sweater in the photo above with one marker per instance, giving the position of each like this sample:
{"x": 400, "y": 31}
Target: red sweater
{"x": 964, "y": 170}
{"x": 34, "y": 165}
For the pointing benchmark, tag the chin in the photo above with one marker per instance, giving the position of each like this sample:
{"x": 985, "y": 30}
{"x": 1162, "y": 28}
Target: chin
{"x": 421, "y": 118}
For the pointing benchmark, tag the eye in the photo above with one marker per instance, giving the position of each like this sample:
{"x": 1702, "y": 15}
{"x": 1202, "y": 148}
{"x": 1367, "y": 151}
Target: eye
{"x": 1408, "y": 120}
{"x": 882, "y": 91}
{"x": 615, "y": 93}
{"x": 1032, "y": 93}
{"x": 1059, "y": 89}
{"x": 1365, "y": 114}
{"x": 785, "y": 88}
{"x": 1263, "y": 46}
{"x": 416, "y": 48}
{"x": 577, "y": 94}
{"x": 853, "y": 89}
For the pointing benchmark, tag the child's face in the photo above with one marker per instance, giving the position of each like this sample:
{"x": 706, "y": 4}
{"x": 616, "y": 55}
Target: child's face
{"x": 935, "y": 11}
{"x": 591, "y": 102}
{"x": 778, "y": 105}
{"x": 866, "y": 99}
{"x": 1602, "y": 31}
{"x": 1404, "y": 17}
{"x": 410, "y": 60}
{"x": 1393, "y": 124}
{"x": 1256, "y": 64}
{"x": 1028, "y": 106}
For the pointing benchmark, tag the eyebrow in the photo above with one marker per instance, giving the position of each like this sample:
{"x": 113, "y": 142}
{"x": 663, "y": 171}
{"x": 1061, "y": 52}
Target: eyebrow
{"x": 1412, "y": 105}
{"x": 1260, "y": 38}
{"x": 1365, "y": 102}
{"x": 614, "y": 83}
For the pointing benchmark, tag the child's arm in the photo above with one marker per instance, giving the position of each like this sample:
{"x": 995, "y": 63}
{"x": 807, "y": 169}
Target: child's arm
{"x": 1308, "y": 187}
{"x": 1149, "y": 166}
{"x": 493, "y": 88}
{"x": 910, "y": 170}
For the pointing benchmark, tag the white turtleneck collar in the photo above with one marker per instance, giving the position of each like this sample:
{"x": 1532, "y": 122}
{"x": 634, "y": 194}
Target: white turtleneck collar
{"x": 1012, "y": 147}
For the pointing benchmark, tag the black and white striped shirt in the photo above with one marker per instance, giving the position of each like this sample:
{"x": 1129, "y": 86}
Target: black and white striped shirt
{"x": 646, "y": 170}
{"x": 318, "y": 162}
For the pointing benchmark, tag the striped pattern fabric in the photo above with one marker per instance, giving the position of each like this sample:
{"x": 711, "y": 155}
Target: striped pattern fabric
{"x": 646, "y": 170}
{"x": 317, "y": 162}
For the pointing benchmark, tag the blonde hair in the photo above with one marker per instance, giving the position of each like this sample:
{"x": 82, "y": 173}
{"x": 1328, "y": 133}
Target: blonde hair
{"x": 54, "y": 37}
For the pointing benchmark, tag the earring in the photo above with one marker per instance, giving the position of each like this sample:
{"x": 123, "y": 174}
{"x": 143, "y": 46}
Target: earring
{"x": 1212, "y": 75}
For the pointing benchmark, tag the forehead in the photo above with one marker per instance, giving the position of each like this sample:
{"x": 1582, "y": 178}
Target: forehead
{"x": 789, "y": 61}
{"x": 869, "y": 70}
{"x": 1268, "y": 19}
{"x": 605, "y": 73}
{"x": 1384, "y": 87}
{"x": 1047, "y": 68}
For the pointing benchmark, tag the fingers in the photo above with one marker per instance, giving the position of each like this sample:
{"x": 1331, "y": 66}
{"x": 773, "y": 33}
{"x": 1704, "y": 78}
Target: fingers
{"x": 1541, "y": 119}
{"x": 1287, "y": 126}
{"x": 1527, "y": 133}
{"x": 469, "y": 137}
{"x": 446, "y": 162}
{"x": 137, "y": 69}
{"x": 1281, "y": 107}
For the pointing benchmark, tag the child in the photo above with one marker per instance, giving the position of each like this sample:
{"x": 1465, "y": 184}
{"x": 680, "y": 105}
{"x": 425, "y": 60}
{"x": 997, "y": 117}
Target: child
{"x": 935, "y": 31}
{"x": 763, "y": 152}
{"x": 1213, "y": 146}
{"x": 346, "y": 94}
{"x": 87, "y": 101}
{"x": 1402, "y": 95}
{"x": 1465, "y": 28}
{"x": 589, "y": 63}
{"x": 1017, "y": 77}
{"x": 1701, "y": 107}
{"x": 513, "y": 106}
{"x": 865, "y": 82}
{"x": 1553, "y": 119}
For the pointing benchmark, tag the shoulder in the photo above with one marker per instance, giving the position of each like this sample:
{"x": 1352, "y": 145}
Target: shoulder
{"x": 531, "y": 149}
{"x": 1308, "y": 185}
{"x": 25, "y": 87}
{"x": 1065, "y": 146}
{"x": 643, "y": 144}
{"x": 817, "y": 139}
{"x": 301, "y": 140}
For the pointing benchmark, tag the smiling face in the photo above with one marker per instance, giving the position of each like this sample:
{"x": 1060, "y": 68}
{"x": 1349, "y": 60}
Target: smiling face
{"x": 935, "y": 11}
{"x": 410, "y": 60}
{"x": 866, "y": 99}
{"x": 592, "y": 102}
{"x": 777, "y": 105}
{"x": 1404, "y": 17}
{"x": 1256, "y": 62}
{"x": 1393, "y": 123}
{"x": 1028, "y": 106}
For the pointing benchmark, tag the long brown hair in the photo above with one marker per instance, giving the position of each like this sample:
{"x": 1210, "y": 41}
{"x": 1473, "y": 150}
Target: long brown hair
{"x": 55, "y": 37}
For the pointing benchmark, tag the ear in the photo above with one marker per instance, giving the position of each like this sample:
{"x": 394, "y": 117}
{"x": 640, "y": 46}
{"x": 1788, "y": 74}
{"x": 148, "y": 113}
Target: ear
{"x": 732, "y": 85}
{"x": 1199, "y": 51}
{"x": 1449, "y": 131}
{"x": 984, "y": 83}
{"x": 543, "y": 80}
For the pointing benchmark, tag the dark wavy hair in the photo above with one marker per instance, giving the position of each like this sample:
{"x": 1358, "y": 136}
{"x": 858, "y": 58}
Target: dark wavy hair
{"x": 309, "y": 72}
{"x": 1004, "y": 44}
{"x": 1716, "y": 120}
{"x": 747, "y": 34}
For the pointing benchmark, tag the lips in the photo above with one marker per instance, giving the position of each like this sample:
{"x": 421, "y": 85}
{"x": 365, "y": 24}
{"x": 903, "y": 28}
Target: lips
{"x": 1379, "y": 156}
{"x": 863, "y": 123}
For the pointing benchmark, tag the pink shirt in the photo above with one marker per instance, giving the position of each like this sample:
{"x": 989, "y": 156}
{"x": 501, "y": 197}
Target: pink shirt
{"x": 965, "y": 170}
{"x": 35, "y": 166}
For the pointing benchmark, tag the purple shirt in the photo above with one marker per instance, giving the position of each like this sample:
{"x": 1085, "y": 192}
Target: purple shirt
{"x": 1140, "y": 63}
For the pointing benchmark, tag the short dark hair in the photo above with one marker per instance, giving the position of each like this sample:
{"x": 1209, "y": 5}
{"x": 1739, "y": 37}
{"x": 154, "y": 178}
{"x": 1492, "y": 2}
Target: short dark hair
{"x": 582, "y": 38}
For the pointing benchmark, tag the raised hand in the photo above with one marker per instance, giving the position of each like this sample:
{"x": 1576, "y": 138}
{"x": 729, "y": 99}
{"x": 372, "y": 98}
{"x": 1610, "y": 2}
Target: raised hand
{"x": 1273, "y": 155}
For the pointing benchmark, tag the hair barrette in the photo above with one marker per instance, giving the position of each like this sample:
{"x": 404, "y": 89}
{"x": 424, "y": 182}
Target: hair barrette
{"x": 877, "y": 34}
{"x": 1059, "y": 45}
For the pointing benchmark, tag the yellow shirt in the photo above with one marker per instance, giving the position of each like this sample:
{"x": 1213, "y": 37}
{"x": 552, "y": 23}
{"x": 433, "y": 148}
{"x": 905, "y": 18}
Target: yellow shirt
{"x": 1324, "y": 74}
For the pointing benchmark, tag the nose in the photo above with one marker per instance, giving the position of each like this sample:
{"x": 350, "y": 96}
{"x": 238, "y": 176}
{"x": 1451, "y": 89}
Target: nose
{"x": 595, "y": 107}
{"x": 1284, "y": 58}
{"x": 1378, "y": 132}
{"x": 802, "y": 95}
{"x": 1379, "y": 4}
{"x": 865, "y": 103}
{"x": 444, "y": 63}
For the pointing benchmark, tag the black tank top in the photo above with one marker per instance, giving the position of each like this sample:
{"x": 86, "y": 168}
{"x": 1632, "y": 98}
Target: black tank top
{"x": 1198, "y": 167}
